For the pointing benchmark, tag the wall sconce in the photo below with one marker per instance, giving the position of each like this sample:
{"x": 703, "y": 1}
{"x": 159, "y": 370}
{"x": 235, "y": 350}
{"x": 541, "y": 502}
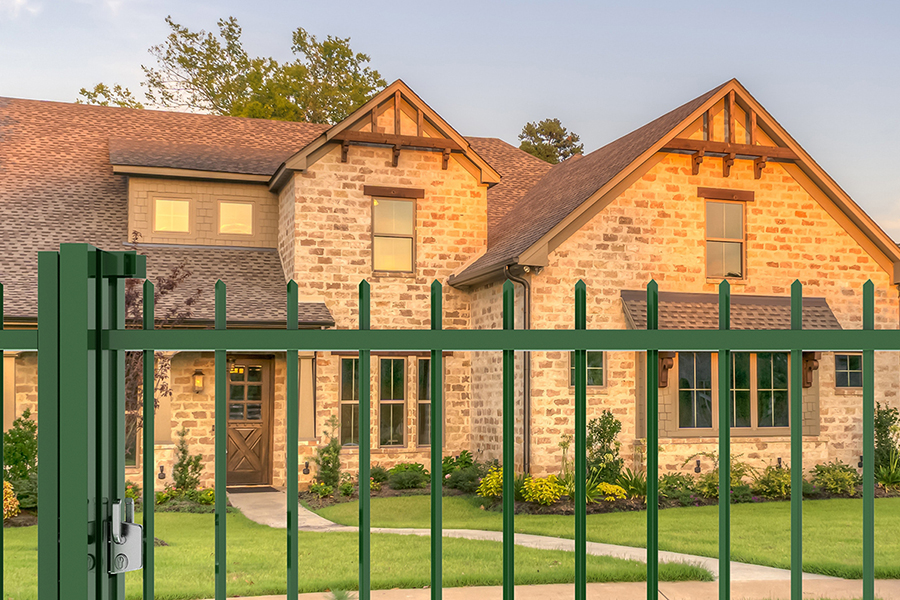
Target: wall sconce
{"x": 860, "y": 463}
{"x": 306, "y": 468}
{"x": 779, "y": 462}
{"x": 197, "y": 380}
{"x": 697, "y": 468}
{"x": 162, "y": 472}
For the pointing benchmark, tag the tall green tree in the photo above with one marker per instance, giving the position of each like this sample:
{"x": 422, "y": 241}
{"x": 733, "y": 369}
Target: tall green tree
{"x": 207, "y": 72}
{"x": 549, "y": 141}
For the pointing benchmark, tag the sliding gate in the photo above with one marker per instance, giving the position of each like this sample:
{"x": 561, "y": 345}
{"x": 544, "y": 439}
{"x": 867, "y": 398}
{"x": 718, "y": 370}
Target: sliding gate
{"x": 86, "y": 541}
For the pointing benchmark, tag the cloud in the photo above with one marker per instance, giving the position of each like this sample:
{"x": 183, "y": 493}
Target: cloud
{"x": 11, "y": 9}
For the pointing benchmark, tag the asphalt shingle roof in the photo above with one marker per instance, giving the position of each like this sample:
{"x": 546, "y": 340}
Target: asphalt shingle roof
{"x": 679, "y": 310}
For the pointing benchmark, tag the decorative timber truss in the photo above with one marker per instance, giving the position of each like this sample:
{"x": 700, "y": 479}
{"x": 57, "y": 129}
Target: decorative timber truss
{"x": 396, "y": 118}
{"x": 729, "y": 130}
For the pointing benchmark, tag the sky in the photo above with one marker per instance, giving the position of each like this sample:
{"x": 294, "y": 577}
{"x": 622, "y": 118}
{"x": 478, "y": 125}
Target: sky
{"x": 827, "y": 71}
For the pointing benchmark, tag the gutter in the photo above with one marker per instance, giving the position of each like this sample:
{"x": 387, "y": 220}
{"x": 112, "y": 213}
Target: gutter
{"x": 526, "y": 376}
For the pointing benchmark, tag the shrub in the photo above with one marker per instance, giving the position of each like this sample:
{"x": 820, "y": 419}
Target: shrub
{"x": 463, "y": 461}
{"x": 708, "y": 483}
{"x": 374, "y": 486}
{"x": 634, "y": 483}
{"x": 543, "y": 490}
{"x": 408, "y": 480}
{"x": 464, "y": 480}
{"x": 836, "y": 478}
{"x": 10, "y": 502}
{"x": 322, "y": 490}
{"x": 20, "y": 448}
{"x": 671, "y": 484}
{"x": 741, "y": 494}
{"x": 379, "y": 474}
{"x": 491, "y": 485}
{"x": 408, "y": 467}
{"x": 27, "y": 491}
{"x": 603, "y": 448}
{"x": 888, "y": 476}
{"x": 133, "y": 491}
{"x": 186, "y": 470}
{"x": 346, "y": 489}
{"x": 773, "y": 483}
{"x": 887, "y": 420}
{"x": 328, "y": 457}
{"x": 519, "y": 487}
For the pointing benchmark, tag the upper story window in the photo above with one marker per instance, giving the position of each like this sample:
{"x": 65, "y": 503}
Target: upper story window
{"x": 848, "y": 370}
{"x": 172, "y": 214}
{"x": 236, "y": 218}
{"x": 393, "y": 235}
{"x": 594, "y": 368}
{"x": 725, "y": 239}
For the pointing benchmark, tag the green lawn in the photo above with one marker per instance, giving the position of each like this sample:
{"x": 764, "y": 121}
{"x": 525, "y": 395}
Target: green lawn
{"x": 832, "y": 529}
{"x": 256, "y": 564}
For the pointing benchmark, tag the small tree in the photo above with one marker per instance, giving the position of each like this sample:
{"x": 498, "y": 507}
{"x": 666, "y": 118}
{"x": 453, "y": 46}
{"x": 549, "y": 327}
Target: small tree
{"x": 20, "y": 445}
{"x": 603, "y": 447}
{"x": 549, "y": 141}
{"x": 328, "y": 457}
{"x": 186, "y": 470}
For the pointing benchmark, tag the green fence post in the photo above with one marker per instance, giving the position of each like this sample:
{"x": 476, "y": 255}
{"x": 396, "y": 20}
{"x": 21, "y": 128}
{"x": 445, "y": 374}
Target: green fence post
{"x": 796, "y": 447}
{"x": 437, "y": 446}
{"x": 149, "y": 406}
{"x": 221, "y": 435}
{"x": 724, "y": 447}
{"x": 292, "y": 397}
{"x": 868, "y": 447}
{"x": 652, "y": 447}
{"x": 365, "y": 446}
{"x": 580, "y": 447}
{"x": 509, "y": 446}
{"x": 48, "y": 434}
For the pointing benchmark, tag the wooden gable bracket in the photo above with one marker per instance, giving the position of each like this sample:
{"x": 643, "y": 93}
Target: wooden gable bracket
{"x": 396, "y": 155}
{"x": 758, "y": 165}
{"x": 810, "y": 364}
{"x": 345, "y": 148}
{"x": 445, "y": 160}
{"x": 727, "y": 162}
{"x": 666, "y": 362}
{"x": 696, "y": 159}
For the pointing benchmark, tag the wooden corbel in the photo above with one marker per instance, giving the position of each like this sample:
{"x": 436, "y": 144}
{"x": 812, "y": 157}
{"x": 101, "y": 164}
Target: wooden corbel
{"x": 445, "y": 161}
{"x": 810, "y": 364}
{"x": 666, "y": 362}
{"x": 696, "y": 159}
{"x": 727, "y": 163}
{"x": 396, "y": 158}
{"x": 345, "y": 148}
{"x": 758, "y": 165}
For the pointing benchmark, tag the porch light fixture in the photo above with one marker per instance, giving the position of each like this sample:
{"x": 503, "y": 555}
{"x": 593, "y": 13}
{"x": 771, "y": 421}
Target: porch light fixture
{"x": 197, "y": 380}
{"x": 306, "y": 468}
{"x": 697, "y": 468}
{"x": 860, "y": 463}
{"x": 779, "y": 462}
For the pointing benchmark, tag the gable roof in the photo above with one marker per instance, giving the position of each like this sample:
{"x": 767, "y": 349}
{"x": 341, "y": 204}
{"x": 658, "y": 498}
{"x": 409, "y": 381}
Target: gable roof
{"x": 359, "y": 120}
{"x": 571, "y": 187}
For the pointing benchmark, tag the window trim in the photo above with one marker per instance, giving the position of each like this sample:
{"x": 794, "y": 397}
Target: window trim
{"x": 413, "y": 238}
{"x": 253, "y": 216}
{"x": 342, "y": 402}
{"x": 754, "y": 430}
{"x": 570, "y": 367}
{"x": 847, "y": 388}
{"x": 707, "y": 239}
{"x": 176, "y": 198}
{"x": 443, "y": 402}
{"x": 404, "y": 403}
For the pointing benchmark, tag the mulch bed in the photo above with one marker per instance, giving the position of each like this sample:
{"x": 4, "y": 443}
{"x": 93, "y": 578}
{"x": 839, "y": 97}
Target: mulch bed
{"x": 314, "y": 502}
{"x": 25, "y": 518}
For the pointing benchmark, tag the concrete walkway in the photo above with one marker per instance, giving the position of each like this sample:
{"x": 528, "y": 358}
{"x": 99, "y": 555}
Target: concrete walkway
{"x": 268, "y": 508}
{"x": 840, "y": 589}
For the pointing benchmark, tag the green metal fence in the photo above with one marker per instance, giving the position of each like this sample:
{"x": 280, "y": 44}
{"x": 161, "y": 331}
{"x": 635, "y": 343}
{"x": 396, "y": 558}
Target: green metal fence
{"x": 82, "y": 338}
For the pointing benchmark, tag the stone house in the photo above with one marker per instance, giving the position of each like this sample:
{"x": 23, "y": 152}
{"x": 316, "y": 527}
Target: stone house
{"x": 713, "y": 190}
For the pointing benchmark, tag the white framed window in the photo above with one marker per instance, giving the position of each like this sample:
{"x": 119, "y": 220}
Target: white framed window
{"x": 393, "y": 235}
{"x": 172, "y": 215}
{"x": 235, "y": 218}
{"x": 725, "y": 239}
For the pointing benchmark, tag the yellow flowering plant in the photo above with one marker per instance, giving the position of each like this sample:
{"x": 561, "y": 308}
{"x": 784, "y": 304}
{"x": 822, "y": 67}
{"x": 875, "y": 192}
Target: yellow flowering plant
{"x": 10, "y": 502}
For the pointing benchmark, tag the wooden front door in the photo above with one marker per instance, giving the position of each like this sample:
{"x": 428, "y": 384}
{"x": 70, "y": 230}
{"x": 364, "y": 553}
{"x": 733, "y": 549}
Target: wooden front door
{"x": 249, "y": 422}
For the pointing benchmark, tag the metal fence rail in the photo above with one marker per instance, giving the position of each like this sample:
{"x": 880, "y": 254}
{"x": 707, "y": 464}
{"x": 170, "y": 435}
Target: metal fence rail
{"x": 82, "y": 340}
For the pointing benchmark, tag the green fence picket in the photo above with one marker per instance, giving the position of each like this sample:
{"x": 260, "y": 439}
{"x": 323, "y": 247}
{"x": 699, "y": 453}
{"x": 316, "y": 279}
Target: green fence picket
{"x": 149, "y": 413}
{"x": 509, "y": 447}
{"x": 796, "y": 420}
{"x": 868, "y": 447}
{"x": 437, "y": 446}
{"x": 724, "y": 447}
{"x": 580, "y": 447}
{"x": 365, "y": 446}
{"x": 652, "y": 446}
{"x": 292, "y": 399}
{"x": 220, "y": 441}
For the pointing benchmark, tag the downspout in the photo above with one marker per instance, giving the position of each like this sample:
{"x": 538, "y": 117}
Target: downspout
{"x": 526, "y": 376}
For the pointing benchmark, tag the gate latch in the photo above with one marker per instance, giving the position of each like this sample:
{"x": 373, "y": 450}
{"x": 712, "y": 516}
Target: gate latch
{"x": 125, "y": 540}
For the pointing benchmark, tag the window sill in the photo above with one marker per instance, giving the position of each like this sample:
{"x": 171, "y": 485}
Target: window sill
{"x": 352, "y": 450}
{"x": 848, "y": 391}
{"x": 393, "y": 274}
{"x": 592, "y": 389}
{"x": 718, "y": 280}
{"x": 712, "y": 438}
